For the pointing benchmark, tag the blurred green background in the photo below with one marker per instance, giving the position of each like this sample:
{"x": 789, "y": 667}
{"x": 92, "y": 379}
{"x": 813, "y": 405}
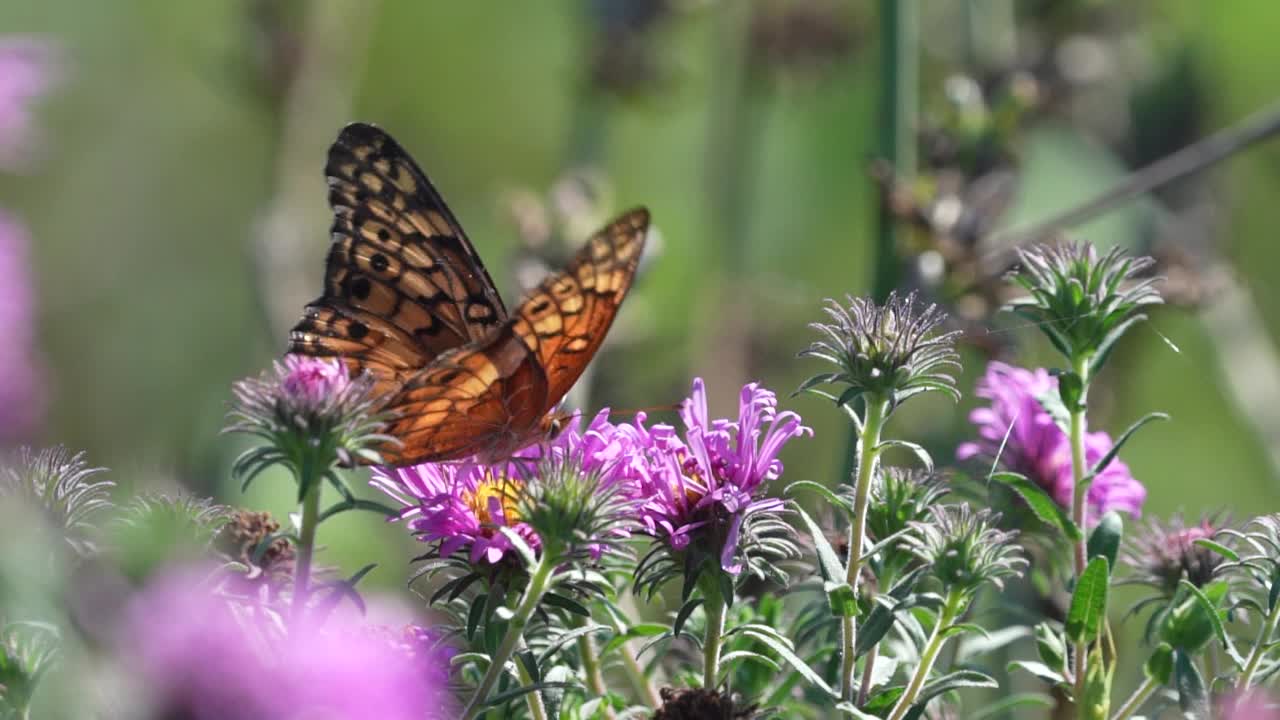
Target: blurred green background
{"x": 186, "y": 141}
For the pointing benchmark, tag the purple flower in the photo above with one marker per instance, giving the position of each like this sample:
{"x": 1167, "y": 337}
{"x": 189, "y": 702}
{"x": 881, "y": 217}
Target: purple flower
{"x": 21, "y": 381}
{"x": 461, "y": 505}
{"x": 711, "y": 481}
{"x": 203, "y": 656}
{"x": 309, "y": 382}
{"x": 1037, "y": 448}
{"x": 27, "y": 71}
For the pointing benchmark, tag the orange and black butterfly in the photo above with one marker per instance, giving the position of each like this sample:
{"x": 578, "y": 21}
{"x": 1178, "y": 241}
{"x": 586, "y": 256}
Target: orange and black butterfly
{"x": 407, "y": 300}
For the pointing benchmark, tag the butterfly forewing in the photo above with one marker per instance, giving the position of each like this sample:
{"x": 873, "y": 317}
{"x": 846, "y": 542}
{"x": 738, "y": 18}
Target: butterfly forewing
{"x": 488, "y": 398}
{"x": 403, "y": 284}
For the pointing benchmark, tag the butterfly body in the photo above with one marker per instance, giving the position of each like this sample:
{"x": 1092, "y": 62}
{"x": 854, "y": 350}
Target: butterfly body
{"x": 408, "y": 300}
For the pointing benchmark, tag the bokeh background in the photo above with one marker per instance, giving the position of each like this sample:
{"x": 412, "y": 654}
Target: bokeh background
{"x": 175, "y": 203}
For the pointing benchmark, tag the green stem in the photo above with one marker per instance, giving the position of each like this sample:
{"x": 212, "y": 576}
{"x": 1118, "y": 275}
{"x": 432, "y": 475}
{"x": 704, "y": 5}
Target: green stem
{"x": 868, "y": 455}
{"x": 714, "y": 636}
{"x": 1080, "y": 508}
{"x": 591, "y": 669}
{"x": 306, "y": 535}
{"x": 1139, "y": 696}
{"x": 533, "y": 593}
{"x": 899, "y": 91}
{"x": 537, "y": 710}
{"x": 952, "y": 609}
{"x": 640, "y": 680}
{"x": 1259, "y": 648}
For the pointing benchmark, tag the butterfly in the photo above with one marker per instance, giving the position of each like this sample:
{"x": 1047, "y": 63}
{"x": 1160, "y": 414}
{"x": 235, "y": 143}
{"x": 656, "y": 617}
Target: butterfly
{"x": 407, "y": 300}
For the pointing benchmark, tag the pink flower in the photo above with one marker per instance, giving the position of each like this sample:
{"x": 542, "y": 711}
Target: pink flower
{"x": 21, "y": 379}
{"x": 461, "y": 505}
{"x": 1250, "y": 705}
{"x": 712, "y": 480}
{"x": 27, "y": 71}
{"x": 203, "y": 656}
{"x": 1037, "y": 447}
{"x": 309, "y": 382}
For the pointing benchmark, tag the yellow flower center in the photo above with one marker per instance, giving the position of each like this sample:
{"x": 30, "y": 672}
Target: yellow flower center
{"x": 504, "y": 489}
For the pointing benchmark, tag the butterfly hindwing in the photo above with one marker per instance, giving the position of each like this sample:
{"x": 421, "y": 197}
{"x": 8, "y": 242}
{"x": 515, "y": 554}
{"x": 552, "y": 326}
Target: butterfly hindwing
{"x": 564, "y": 321}
{"x": 469, "y": 401}
{"x": 487, "y": 397}
{"x": 400, "y": 266}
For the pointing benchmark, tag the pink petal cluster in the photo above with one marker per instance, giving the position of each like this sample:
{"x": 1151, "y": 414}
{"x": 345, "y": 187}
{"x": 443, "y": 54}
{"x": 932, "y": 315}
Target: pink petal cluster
{"x": 460, "y": 505}
{"x": 203, "y": 656}
{"x": 21, "y": 380}
{"x": 309, "y": 382}
{"x": 27, "y": 72}
{"x": 1038, "y": 448}
{"x": 715, "y": 474}
{"x": 1250, "y": 705}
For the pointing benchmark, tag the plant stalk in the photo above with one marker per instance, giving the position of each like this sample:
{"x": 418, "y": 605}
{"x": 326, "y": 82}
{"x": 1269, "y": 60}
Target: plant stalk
{"x": 1080, "y": 508}
{"x": 952, "y": 609}
{"x": 714, "y": 636}
{"x": 533, "y": 593}
{"x": 591, "y": 669}
{"x": 1259, "y": 648}
{"x": 640, "y": 680}
{"x": 533, "y": 698}
{"x": 868, "y": 455}
{"x": 1135, "y": 701}
{"x": 306, "y": 534}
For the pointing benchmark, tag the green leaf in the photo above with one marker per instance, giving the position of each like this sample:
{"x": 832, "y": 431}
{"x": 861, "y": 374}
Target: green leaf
{"x": 826, "y": 493}
{"x": 565, "y": 638}
{"x": 1040, "y": 670}
{"x": 1159, "y": 666}
{"x": 566, "y": 603}
{"x": 918, "y": 450}
{"x": 1052, "y": 404}
{"x": 1070, "y": 390}
{"x": 1219, "y": 548}
{"x": 828, "y": 560}
{"x": 635, "y": 631}
{"x": 475, "y": 614}
{"x": 1089, "y": 601}
{"x": 504, "y": 697}
{"x": 787, "y": 654}
{"x": 522, "y": 548}
{"x": 964, "y": 628}
{"x": 1044, "y": 507}
{"x": 1001, "y": 708}
{"x": 841, "y": 598}
{"x": 1051, "y": 648}
{"x": 1120, "y": 441}
{"x": 850, "y": 710}
{"x": 1189, "y": 682}
{"x": 954, "y": 681}
{"x": 1210, "y": 609}
{"x": 1105, "y": 539}
{"x": 685, "y": 611}
{"x": 358, "y": 504}
{"x": 1109, "y": 341}
{"x": 736, "y": 655}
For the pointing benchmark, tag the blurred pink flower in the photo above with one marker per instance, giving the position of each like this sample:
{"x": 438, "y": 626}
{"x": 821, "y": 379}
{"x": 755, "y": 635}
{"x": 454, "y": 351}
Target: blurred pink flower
{"x": 1037, "y": 447}
{"x": 1250, "y": 705}
{"x": 203, "y": 656}
{"x": 21, "y": 380}
{"x": 28, "y": 69}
